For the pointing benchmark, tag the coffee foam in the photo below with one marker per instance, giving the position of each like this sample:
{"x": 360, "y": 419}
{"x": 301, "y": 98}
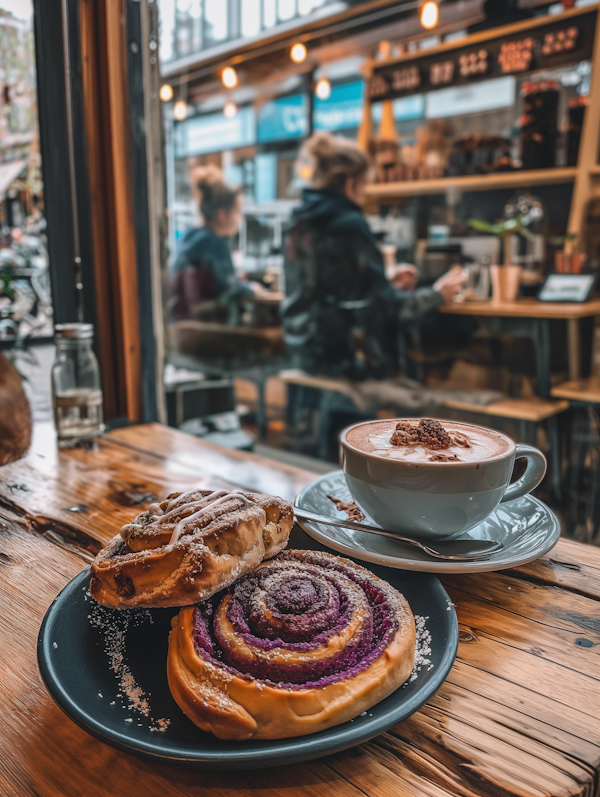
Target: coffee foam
{"x": 374, "y": 438}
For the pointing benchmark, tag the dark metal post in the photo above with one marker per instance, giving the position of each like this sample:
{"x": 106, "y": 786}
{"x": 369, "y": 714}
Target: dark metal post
{"x": 64, "y": 158}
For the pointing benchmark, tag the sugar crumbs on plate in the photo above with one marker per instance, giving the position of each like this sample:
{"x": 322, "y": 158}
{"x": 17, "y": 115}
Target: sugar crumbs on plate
{"x": 113, "y": 626}
{"x": 422, "y": 648}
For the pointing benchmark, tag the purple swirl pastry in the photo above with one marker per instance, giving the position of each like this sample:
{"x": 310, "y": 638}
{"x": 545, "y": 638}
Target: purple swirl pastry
{"x": 307, "y": 641}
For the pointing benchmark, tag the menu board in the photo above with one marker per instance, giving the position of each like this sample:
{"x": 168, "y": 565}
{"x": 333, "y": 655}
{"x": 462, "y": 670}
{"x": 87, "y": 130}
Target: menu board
{"x": 566, "y": 40}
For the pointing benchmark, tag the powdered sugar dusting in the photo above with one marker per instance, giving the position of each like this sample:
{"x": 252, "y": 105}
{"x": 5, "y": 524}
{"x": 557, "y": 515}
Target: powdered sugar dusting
{"x": 113, "y": 625}
{"x": 422, "y": 648}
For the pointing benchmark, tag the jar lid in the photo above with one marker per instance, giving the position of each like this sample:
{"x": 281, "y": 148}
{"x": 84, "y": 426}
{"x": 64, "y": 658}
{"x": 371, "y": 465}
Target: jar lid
{"x": 78, "y": 331}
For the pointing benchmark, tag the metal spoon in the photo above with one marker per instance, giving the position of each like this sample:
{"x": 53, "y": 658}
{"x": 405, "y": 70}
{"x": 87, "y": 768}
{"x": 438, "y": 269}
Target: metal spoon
{"x": 453, "y": 550}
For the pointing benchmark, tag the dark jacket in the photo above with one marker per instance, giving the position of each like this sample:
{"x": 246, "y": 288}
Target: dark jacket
{"x": 341, "y": 315}
{"x": 203, "y": 281}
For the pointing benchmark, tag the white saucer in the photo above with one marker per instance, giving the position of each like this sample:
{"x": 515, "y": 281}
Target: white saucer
{"x": 526, "y": 528}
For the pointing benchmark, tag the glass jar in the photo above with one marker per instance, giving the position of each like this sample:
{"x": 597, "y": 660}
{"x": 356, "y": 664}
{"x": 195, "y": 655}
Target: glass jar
{"x": 76, "y": 391}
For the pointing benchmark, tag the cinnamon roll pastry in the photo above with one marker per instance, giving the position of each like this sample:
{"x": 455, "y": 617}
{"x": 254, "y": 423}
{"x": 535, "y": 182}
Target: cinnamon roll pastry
{"x": 188, "y": 547}
{"x": 307, "y": 641}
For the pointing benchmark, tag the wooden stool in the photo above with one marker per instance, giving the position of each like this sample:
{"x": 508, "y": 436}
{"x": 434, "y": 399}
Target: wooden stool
{"x": 528, "y": 413}
{"x": 583, "y": 394}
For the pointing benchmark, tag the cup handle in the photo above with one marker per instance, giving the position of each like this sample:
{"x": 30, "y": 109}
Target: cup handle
{"x": 534, "y": 473}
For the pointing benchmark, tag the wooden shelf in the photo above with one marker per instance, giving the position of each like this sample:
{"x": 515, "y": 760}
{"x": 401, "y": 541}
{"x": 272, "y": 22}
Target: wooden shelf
{"x": 584, "y": 390}
{"x": 475, "y": 182}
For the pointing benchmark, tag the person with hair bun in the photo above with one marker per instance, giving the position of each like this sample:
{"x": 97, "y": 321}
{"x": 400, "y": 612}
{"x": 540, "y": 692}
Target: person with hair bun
{"x": 341, "y": 315}
{"x": 203, "y": 281}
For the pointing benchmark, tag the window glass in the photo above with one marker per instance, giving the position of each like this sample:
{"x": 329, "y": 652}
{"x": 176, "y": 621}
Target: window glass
{"x": 167, "y": 30}
{"x": 25, "y": 301}
{"x": 216, "y": 20}
{"x": 286, "y": 9}
{"x": 269, "y": 13}
{"x": 250, "y": 17}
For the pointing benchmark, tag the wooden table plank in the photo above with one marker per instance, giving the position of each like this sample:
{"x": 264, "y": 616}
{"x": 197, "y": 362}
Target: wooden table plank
{"x": 44, "y": 754}
{"x": 552, "y": 620}
{"x": 517, "y": 715}
{"x": 569, "y": 565}
{"x": 96, "y": 491}
{"x": 180, "y": 450}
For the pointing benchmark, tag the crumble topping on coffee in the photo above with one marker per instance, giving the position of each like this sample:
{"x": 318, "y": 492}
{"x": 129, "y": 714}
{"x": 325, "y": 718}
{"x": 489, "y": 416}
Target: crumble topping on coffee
{"x": 414, "y": 441}
{"x": 405, "y": 435}
{"x": 429, "y": 433}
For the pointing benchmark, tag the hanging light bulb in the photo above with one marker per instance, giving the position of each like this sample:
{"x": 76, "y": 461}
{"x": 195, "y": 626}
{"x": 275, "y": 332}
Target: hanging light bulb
{"x": 429, "y": 14}
{"x": 230, "y": 109}
{"x": 323, "y": 89}
{"x": 166, "y": 92}
{"x": 298, "y": 53}
{"x": 229, "y": 77}
{"x": 180, "y": 110}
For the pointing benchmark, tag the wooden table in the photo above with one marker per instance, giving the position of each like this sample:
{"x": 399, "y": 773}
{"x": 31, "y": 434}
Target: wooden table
{"x": 518, "y": 714}
{"x": 540, "y": 313}
{"x": 271, "y": 298}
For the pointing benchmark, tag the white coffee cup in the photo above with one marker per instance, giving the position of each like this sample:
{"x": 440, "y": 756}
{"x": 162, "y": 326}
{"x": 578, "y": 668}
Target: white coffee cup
{"x": 432, "y": 500}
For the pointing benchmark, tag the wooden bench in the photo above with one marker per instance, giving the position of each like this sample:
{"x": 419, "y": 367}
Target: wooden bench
{"x": 211, "y": 340}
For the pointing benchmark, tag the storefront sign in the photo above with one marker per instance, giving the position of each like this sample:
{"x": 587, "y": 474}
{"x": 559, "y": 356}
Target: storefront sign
{"x": 286, "y": 117}
{"x": 487, "y": 96}
{"x": 214, "y": 133}
{"x": 563, "y": 41}
{"x": 343, "y": 110}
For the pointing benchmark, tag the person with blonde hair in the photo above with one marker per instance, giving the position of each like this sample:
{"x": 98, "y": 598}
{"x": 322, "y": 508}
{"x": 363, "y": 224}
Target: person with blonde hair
{"x": 203, "y": 281}
{"x": 341, "y": 315}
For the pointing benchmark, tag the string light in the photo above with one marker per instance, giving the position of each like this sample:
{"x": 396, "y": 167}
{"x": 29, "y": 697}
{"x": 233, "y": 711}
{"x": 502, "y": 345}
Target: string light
{"x": 323, "y": 89}
{"x": 429, "y": 14}
{"x": 230, "y": 109}
{"x": 180, "y": 110}
{"x": 298, "y": 53}
{"x": 229, "y": 77}
{"x": 166, "y": 92}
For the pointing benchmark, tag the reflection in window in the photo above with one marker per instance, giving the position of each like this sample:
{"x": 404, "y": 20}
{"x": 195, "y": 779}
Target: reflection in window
{"x": 167, "y": 29}
{"x": 190, "y": 26}
{"x": 306, "y": 6}
{"x": 269, "y": 13}
{"x": 215, "y": 20}
{"x": 286, "y": 9}
{"x": 250, "y": 17}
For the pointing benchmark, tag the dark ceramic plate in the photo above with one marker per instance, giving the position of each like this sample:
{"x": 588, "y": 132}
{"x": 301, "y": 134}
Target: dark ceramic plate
{"x": 79, "y": 655}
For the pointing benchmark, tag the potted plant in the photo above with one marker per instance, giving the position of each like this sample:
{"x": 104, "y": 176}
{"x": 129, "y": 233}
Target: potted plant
{"x": 506, "y": 279}
{"x": 570, "y": 259}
